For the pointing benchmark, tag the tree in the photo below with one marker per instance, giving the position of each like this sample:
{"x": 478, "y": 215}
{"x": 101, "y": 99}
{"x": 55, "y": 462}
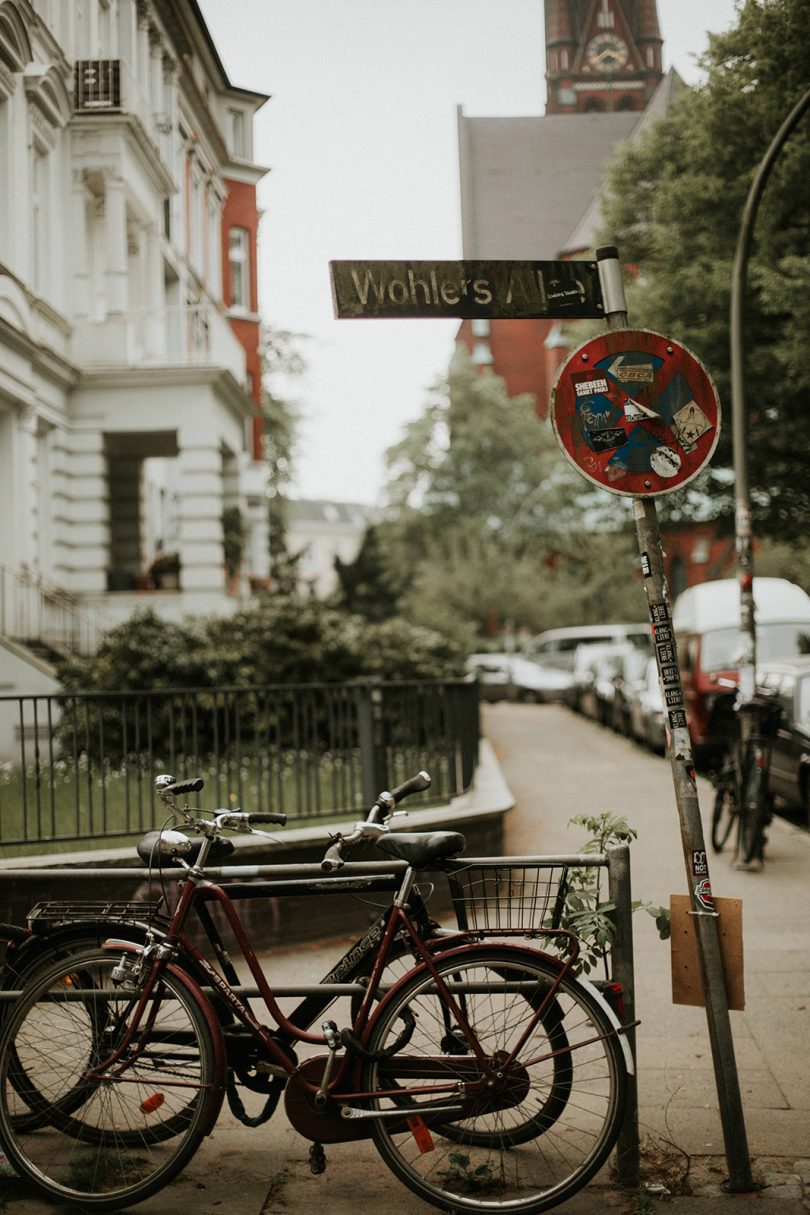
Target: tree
{"x": 367, "y": 585}
{"x": 281, "y": 363}
{"x": 487, "y": 524}
{"x": 673, "y": 204}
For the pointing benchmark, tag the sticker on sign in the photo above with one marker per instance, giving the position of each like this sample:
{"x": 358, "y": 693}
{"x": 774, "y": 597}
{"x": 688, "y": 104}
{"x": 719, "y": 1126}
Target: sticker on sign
{"x": 635, "y": 412}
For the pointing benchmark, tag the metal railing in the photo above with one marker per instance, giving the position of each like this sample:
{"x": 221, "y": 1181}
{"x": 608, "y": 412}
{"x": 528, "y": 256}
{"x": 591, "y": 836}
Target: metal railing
{"x": 33, "y": 611}
{"x": 80, "y": 767}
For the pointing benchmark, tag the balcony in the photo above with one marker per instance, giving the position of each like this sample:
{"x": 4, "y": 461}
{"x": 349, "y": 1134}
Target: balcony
{"x": 108, "y": 86}
{"x": 197, "y": 335}
{"x": 97, "y": 85}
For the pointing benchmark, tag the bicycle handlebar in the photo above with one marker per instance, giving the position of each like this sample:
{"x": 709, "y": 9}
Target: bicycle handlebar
{"x": 416, "y": 784}
{"x": 239, "y": 819}
{"x": 374, "y": 824}
{"x": 184, "y": 786}
{"x": 371, "y": 827}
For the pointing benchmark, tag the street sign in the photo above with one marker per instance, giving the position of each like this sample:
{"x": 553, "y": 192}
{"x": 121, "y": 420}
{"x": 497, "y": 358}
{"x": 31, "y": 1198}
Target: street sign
{"x": 502, "y": 290}
{"x": 635, "y": 412}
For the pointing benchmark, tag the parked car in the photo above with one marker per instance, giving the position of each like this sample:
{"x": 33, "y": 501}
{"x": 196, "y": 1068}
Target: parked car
{"x": 557, "y": 647}
{"x": 789, "y": 680}
{"x": 515, "y": 677}
{"x": 595, "y": 667}
{"x": 645, "y": 707}
{"x": 706, "y": 621}
{"x": 629, "y": 679}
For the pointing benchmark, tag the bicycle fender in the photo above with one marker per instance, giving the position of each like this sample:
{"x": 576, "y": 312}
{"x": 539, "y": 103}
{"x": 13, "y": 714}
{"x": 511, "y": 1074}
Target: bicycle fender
{"x": 214, "y": 1027}
{"x": 14, "y": 933}
{"x": 596, "y": 994}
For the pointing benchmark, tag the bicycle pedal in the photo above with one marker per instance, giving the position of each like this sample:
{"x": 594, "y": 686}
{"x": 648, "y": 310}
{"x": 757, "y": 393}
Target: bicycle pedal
{"x": 317, "y": 1158}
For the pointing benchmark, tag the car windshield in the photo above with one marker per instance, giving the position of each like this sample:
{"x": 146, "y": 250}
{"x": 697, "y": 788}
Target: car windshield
{"x": 722, "y": 649}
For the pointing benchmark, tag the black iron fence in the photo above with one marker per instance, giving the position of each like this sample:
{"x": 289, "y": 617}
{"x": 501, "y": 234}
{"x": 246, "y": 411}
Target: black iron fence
{"x": 77, "y": 768}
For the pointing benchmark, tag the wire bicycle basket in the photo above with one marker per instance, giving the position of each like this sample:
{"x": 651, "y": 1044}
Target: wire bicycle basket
{"x": 508, "y": 895}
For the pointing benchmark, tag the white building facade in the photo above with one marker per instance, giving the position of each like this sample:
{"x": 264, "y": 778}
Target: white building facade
{"x": 129, "y": 376}
{"x": 320, "y": 532}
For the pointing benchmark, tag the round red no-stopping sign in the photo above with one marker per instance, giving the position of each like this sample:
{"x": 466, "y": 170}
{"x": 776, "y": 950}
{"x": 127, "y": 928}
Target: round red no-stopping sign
{"x": 635, "y": 412}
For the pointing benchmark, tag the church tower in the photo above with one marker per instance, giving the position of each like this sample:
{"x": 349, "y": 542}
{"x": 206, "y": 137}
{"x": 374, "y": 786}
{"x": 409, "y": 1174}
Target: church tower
{"x": 601, "y": 55}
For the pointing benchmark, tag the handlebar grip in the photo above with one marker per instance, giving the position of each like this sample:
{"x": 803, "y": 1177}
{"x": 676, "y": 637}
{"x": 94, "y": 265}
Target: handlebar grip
{"x": 416, "y": 784}
{"x": 262, "y": 817}
{"x": 186, "y": 786}
{"x": 333, "y": 860}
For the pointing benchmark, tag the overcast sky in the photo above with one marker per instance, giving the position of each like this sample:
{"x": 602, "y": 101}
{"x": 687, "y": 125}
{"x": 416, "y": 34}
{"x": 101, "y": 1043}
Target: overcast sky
{"x": 360, "y": 139}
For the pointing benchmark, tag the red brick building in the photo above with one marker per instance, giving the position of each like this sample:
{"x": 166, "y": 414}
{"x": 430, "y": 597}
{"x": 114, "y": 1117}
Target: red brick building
{"x": 240, "y": 224}
{"x": 529, "y": 191}
{"x": 529, "y": 185}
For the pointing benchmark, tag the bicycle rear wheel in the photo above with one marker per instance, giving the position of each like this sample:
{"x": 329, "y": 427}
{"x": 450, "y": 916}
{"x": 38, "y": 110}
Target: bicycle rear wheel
{"x": 754, "y": 811}
{"x": 107, "y": 1142}
{"x": 724, "y": 814}
{"x": 532, "y": 1137}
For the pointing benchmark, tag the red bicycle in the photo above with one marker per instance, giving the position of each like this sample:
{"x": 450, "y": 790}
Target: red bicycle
{"x": 489, "y": 1076}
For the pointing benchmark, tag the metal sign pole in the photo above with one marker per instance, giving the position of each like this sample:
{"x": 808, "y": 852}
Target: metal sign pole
{"x": 680, "y": 753}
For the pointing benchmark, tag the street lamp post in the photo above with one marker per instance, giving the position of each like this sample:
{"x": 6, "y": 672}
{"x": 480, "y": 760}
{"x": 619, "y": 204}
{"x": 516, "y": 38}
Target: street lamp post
{"x": 742, "y": 512}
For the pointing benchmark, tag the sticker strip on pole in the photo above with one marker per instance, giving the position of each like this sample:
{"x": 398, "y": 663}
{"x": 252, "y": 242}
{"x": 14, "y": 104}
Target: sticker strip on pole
{"x": 637, "y": 413}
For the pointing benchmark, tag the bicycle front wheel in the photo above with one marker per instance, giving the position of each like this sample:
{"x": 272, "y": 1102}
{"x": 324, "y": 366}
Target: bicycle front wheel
{"x": 112, "y": 1138}
{"x": 520, "y": 1134}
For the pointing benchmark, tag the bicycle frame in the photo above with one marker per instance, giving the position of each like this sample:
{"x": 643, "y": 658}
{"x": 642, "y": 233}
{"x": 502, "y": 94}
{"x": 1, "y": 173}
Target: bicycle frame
{"x": 398, "y": 919}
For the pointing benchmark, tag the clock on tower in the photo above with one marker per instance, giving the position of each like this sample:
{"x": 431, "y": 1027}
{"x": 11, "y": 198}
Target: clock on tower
{"x": 601, "y": 55}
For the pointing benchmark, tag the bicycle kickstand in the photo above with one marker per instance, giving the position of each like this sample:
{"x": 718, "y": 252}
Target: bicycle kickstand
{"x": 317, "y": 1158}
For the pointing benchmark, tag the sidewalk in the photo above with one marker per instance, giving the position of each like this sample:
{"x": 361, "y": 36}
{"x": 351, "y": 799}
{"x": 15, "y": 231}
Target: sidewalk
{"x": 558, "y": 765}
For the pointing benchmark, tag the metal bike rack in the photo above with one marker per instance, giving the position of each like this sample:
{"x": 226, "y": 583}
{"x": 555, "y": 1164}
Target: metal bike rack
{"x": 616, "y": 860}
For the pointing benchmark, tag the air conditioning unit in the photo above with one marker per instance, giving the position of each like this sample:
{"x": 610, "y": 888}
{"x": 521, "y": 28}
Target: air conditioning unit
{"x": 97, "y": 85}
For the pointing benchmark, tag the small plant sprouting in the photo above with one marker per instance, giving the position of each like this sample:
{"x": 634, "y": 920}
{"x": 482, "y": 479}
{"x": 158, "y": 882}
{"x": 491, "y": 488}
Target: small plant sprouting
{"x": 466, "y": 1179}
{"x": 586, "y": 912}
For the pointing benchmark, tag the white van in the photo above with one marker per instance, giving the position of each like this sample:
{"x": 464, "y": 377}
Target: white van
{"x": 556, "y": 647}
{"x": 706, "y": 621}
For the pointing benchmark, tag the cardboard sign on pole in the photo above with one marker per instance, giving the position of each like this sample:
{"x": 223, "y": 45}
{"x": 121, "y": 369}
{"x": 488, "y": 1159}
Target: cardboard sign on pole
{"x": 687, "y": 979}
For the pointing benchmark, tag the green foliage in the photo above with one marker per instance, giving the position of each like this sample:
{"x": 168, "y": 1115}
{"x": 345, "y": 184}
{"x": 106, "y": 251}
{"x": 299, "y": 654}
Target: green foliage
{"x": 233, "y": 539}
{"x": 367, "y": 585}
{"x": 277, "y": 639}
{"x": 493, "y": 527}
{"x": 282, "y": 364}
{"x": 587, "y": 913}
{"x": 466, "y": 1179}
{"x": 673, "y": 205}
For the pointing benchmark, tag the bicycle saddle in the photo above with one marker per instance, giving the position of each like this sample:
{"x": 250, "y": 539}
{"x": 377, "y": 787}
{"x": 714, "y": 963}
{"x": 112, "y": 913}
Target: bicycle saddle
{"x": 422, "y": 849}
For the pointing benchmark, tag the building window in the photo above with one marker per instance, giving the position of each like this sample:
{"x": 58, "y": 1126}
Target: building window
{"x": 40, "y": 227}
{"x": 236, "y": 133}
{"x": 4, "y": 179}
{"x": 195, "y": 205}
{"x": 240, "y": 269}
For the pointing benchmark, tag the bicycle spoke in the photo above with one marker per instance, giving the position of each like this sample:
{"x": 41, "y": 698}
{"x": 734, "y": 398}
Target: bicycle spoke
{"x": 117, "y": 1137}
{"x": 529, "y": 1133}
